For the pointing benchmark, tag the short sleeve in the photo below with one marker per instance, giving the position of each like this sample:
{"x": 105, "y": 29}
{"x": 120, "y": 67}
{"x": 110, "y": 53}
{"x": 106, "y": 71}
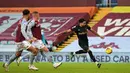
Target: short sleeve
{"x": 74, "y": 28}
{"x": 88, "y": 27}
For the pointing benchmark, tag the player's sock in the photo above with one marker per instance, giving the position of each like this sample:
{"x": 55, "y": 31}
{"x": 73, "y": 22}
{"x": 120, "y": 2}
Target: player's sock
{"x": 96, "y": 63}
{"x": 42, "y": 53}
{"x": 12, "y": 58}
{"x": 49, "y": 57}
{"x": 26, "y": 55}
{"x": 91, "y": 55}
{"x": 32, "y": 57}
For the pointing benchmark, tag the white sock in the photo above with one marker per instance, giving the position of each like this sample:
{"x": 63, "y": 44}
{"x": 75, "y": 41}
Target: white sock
{"x": 96, "y": 63}
{"x": 49, "y": 57}
{"x": 26, "y": 55}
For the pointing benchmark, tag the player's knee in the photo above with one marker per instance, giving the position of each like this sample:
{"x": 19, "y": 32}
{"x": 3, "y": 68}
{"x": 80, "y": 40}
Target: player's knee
{"x": 26, "y": 44}
{"x": 46, "y": 49}
{"x": 35, "y": 51}
{"x": 18, "y": 54}
{"x": 87, "y": 49}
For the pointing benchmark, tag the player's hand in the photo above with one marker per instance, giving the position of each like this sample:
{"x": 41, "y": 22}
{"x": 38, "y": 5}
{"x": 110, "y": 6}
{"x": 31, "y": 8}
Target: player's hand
{"x": 13, "y": 34}
{"x": 102, "y": 37}
{"x": 34, "y": 39}
{"x": 56, "y": 34}
{"x": 29, "y": 40}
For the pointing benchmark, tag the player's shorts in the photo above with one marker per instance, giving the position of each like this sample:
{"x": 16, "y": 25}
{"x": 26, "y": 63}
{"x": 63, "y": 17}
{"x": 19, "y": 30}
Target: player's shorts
{"x": 19, "y": 47}
{"x": 38, "y": 44}
{"x": 24, "y": 45}
{"x": 84, "y": 45}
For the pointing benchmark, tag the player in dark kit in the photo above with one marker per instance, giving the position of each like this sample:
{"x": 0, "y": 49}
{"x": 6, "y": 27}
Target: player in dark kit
{"x": 81, "y": 32}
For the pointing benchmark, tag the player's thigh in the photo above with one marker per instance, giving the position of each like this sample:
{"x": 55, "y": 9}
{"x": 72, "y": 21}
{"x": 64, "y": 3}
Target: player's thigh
{"x": 38, "y": 44}
{"x": 33, "y": 50}
{"x": 19, "y": 49}
{"x": 26, "y": 45}
{"x": 84, "y": 46}
{"x": 18, "y": 53}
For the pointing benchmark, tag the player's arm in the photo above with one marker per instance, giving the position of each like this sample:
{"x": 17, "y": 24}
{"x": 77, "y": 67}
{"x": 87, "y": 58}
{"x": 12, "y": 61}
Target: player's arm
{"x": 94, "y": 32}
{"x": 64, "y": 32}
{"x": 16, "y": 29}
{"x": 29, "y": 31}
{"x": 23, "y": 31}
{"x": 14, "y": 32}
{"x": 74, "y": 29}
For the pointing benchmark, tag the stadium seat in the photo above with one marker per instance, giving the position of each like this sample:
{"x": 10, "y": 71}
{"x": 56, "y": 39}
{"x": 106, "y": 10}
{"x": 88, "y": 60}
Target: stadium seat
{"x": 121, "y": 9}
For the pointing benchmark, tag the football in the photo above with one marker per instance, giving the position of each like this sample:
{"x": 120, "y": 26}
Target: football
{"x": 108, "y": 50}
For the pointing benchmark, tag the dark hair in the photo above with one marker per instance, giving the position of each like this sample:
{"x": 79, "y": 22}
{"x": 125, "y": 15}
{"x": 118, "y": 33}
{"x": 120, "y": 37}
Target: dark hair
{"x": 81, "y": 20}
{"x": 35, "y": 12}
{"x": 26, "y": 12}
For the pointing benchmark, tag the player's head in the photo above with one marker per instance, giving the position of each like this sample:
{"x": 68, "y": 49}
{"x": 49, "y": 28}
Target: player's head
{"x": 82, "y": 22}
{"x": 35, "y": 15}
{"x": 26, "y": 13}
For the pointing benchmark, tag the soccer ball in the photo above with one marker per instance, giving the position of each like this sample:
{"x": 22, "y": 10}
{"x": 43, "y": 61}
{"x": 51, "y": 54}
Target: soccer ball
{"x": 108, "y": 50}
{"x": 54, "y": 48}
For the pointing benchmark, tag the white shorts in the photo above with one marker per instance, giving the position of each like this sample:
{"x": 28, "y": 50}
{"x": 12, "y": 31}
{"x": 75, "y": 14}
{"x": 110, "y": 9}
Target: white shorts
{"x": 38, "y": 44}
{"x": 24, "y": 45}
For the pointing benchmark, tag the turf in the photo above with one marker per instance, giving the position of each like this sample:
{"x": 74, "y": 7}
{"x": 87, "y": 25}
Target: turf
{"x": 70, "y": 68}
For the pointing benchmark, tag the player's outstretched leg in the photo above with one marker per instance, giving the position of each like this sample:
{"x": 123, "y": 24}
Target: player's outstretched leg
{"x": 77, "y": 52}
{"x": 49, "y": 57}
{"x": 90, "y": 54}
{"x": 12, "y": 58}
{"x": 31, "y": 66}
{"x": 21, "y": 57}
{"x": 45, "y": 52}
{"x": 34, "y": 52}
{"x": 93, "y": 58}
{"x": 6, "y": 66}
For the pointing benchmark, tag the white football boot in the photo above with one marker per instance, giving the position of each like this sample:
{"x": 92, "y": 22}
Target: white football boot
{"x": 6, "y": 67}
{"x": 56, "y": 65}
{"x": 32, "y": 67}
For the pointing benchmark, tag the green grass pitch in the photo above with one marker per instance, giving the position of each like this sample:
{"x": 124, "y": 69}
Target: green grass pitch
{"x": 70, "y": 68}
